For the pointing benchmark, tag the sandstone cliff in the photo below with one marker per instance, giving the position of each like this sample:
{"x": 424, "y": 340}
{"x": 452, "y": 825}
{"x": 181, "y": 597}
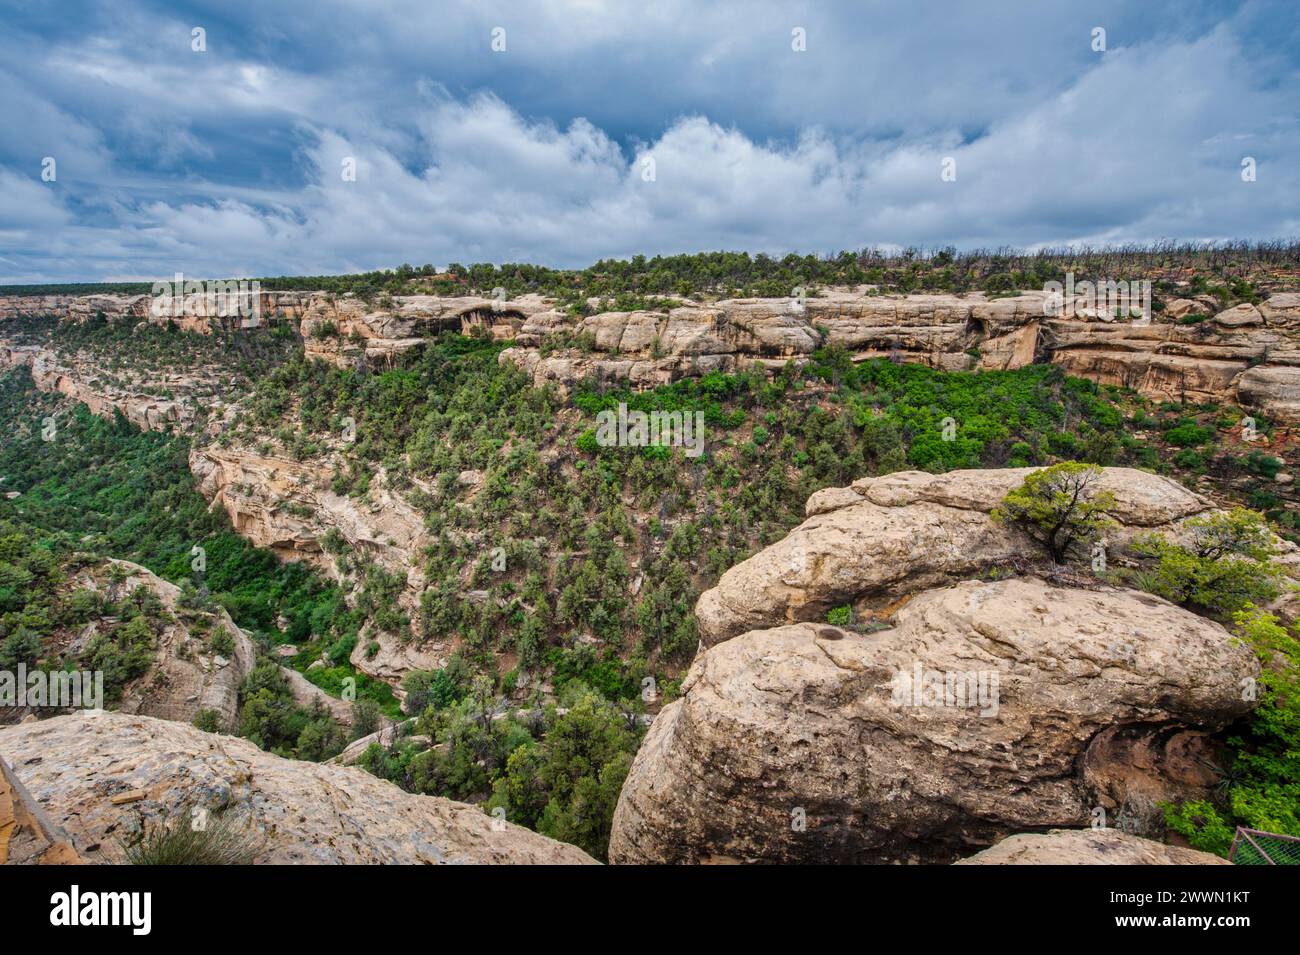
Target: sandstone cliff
{"x": 1192, "y": 351}
{"x": 1246, "y": 355}
{"x": 969, "y": 709}
{"x": 104, "y": 778}
{"x": 288, "y": 507}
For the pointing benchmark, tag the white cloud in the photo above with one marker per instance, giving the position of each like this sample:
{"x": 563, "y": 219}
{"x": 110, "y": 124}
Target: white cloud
{"x": 1142, "y": 143}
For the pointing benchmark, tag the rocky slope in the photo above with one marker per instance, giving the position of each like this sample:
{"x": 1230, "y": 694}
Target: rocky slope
{"x": 106, "y": 777}
{"x": 1088, "y": 847}
{"x": 288, "y": 507}
{"x": 983, "y": 708}
{"x": 186, "y": 674}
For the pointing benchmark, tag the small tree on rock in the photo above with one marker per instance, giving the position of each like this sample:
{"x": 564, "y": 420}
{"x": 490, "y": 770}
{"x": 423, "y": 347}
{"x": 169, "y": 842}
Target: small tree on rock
{"x": 1059, "y": 507}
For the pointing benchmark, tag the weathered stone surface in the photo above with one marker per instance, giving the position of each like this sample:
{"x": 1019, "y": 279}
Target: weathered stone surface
{"x": 1273, "y": 389}
{"x": 301, "y": 812}
{"x": 1162, "y": 358}
{"x": 288, "y": 507}
{"x": 1088, "y": 847}
{"x": 805, "y": 718}
{"x": 884, "y": 538}
{"x": 27, "y": 837}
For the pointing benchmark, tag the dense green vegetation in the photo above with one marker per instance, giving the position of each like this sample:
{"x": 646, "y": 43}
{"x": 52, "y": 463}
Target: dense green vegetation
{"x": 100, "y": 488}
{"x": 1260, "y": 785}
{"x": 555, "y": 767}
{"x": 573, "y": 524}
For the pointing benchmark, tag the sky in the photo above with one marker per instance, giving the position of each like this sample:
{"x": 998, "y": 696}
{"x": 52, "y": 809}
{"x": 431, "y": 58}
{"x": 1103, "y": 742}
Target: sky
{"x": 341, "y": 136}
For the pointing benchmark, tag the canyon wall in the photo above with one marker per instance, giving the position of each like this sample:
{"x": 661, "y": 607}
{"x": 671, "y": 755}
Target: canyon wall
{"x": 1190, "y": 351}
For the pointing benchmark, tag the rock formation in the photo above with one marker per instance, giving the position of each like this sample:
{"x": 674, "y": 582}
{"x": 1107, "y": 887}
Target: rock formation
{"x": 1088, "y": 847}
{"x": 106, "y": 777}
{"x": 288, "y": 507}
{"x": 1247, "y": 354}
{"x": 1244, "y": 355}
{"x": 881, "y": 539}
{"x": 983, "y": 708}
{"x": 187, "y": 675}
{"x": 27, "y": 836}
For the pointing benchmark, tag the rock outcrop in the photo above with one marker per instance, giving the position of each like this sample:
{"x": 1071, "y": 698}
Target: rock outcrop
{"x": 881, "y": 539}
{"x": 106, "y": 777}
{"x": 1088, "y": 847}
{"x": 852, "y": 736}
{"x": 1246, "y": 354}
{"x": 968, "y": 710}
{"x": 288, "y": 507}
{"x": 187, "y": 674}
{"x": 27, "y": 836}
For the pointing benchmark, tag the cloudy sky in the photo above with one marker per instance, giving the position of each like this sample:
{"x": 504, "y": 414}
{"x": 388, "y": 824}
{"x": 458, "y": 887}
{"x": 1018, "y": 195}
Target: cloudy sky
{"x": 610, "y": 129}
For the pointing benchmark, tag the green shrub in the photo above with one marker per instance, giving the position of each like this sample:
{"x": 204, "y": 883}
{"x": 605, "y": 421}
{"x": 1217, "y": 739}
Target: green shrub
{"x": 210, "y": 721}
{"x": 190, "y": 839}
{"x": 1059, "y": 507}
{"x": 1224, "y": 566}
{"x": 840, "y": 616}
{"x": 1189, "y": 434}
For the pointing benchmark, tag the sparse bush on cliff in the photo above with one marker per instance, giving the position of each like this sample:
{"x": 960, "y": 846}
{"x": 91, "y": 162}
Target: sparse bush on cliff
{"x": 1059, "y": 507}
{"x": 1224, "y": 566}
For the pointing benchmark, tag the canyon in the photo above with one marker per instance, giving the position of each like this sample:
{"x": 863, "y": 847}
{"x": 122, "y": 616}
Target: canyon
{"x": 787, "y": 742}
{"x": 1246, "y": 354}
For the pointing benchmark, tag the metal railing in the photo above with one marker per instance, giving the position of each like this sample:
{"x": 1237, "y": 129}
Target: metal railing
{"x": 1253, "y": 847}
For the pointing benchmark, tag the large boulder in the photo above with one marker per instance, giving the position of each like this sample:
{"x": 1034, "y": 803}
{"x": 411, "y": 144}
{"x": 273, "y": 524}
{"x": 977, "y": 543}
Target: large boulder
{"x": 987, "y": 708}
{"x": 884, "y": 538}
{"x": 1088, "y": 847}
{"x": 104, "y": 777}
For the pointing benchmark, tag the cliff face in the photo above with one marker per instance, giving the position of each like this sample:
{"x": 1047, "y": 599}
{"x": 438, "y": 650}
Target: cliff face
{"x": 104, "y": 778}
{"x": 186, "y": 674}
{"x": 1244, "y": 355}
{"x": 968, "y": 709}
{"x": 288, "y": 507}
{"x": 342, "y": 329}
{"x": 1191, "y": 351}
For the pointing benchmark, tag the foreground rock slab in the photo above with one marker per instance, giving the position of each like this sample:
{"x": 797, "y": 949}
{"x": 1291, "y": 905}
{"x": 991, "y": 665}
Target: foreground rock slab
{"x": 160, "y": 771}
{"x": 1088, "y": 847}
{"x": 808, "y": 743}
